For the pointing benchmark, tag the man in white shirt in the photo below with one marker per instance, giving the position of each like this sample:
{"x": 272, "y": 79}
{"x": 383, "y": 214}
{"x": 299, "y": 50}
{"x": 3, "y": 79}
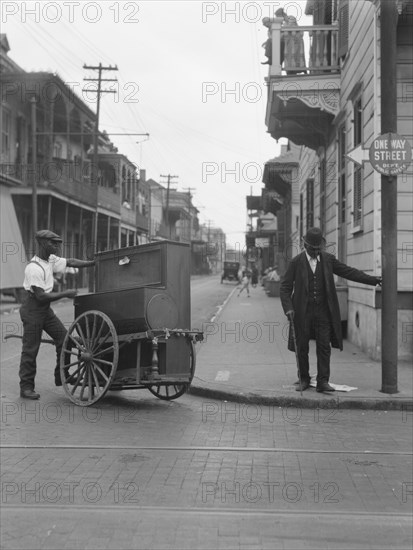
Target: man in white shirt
{"x": 309, "y": 299}
{"x": 36, "y": 313}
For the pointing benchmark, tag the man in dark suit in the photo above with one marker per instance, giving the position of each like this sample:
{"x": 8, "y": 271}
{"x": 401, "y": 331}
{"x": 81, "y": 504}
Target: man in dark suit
{"x": 309, "y": 299}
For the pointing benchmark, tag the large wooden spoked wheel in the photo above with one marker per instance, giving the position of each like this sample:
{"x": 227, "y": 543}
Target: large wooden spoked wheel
{"x": 89, "y": 358}
{"x": 168, "y": 392}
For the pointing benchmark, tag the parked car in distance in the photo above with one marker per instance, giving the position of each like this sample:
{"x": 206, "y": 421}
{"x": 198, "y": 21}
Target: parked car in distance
{"x": 230, "y": 272}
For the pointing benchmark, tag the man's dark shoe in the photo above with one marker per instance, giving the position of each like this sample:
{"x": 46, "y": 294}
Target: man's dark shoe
{"x": 324, "y": 387}
{"x": 305, "y": 384}
{"x": 29, "y": 394}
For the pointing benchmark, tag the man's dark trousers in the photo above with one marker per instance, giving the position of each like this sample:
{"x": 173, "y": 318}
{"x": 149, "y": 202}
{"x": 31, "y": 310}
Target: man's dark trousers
{"x": 317, "y": 324}
{"x": 37, "y": 317}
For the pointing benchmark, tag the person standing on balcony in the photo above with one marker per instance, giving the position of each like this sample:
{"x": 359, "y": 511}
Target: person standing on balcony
{"x": 309, "y": 299}
{"x": 291, "y": 45}
{"x": 267, "y": 45}
{"x": 36, "y": 313}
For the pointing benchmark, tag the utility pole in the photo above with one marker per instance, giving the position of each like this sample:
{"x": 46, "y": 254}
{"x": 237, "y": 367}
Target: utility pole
{"x": 188, "y": 190}
{"x": 169, "y": 177}
{"x": 34, "y": 167}
{"x": 95, "y": 172}
{"x": 208, "y": 247}
{"x": 388, "y": 49}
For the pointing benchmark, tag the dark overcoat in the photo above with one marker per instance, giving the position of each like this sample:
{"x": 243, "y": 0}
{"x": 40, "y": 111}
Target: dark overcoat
{"x": 294, "y": 291}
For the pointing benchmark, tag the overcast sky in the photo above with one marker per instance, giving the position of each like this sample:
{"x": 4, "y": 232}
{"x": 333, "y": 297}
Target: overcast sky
{"x": 190, "y": 75}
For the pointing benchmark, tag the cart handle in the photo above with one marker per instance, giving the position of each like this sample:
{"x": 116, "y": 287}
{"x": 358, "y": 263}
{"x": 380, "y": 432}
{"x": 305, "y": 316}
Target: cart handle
{"x": 43, "y": 340}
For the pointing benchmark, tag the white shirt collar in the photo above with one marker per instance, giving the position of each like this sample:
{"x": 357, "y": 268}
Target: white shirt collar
{"x": 310, "y": 259}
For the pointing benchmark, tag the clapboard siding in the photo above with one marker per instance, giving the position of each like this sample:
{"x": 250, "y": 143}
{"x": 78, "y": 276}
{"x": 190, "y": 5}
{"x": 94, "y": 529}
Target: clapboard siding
{"x": 360, "y": 77}
{"x": 405, "y": 128}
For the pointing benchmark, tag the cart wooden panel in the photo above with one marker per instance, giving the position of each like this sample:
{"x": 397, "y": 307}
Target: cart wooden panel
{"x": 164, "y": 264}
{"x": 142, "y": 303}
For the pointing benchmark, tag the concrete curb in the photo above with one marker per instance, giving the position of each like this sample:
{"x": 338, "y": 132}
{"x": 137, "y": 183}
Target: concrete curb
{"x": 278, "y": 399}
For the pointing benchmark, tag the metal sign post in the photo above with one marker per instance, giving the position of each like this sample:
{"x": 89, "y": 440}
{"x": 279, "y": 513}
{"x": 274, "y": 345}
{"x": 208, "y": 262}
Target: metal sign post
{"x": 388, "y": 70}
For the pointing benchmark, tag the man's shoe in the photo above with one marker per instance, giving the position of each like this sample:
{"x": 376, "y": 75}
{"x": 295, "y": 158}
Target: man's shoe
{"x": 29, "y": 394}
{"x": 324, "y": 387}
{"x": 305, "y": 384}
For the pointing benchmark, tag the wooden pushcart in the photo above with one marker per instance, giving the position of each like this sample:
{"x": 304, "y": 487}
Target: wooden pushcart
{"x": 134, "y": 331}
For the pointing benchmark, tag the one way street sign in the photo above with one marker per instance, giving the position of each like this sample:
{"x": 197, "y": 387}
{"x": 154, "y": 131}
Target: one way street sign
{"x": 390, "y": 154}
{"x": 358, "y": 155}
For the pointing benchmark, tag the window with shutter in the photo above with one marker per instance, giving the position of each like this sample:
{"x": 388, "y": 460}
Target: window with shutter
{"x": 357, "y": 122}
{"x": 5, "y": 134}
{"x": 343, "y": 27}
{"x": 323, "y": 184}
{"x": 358, "y": 171}
{"x": 357, "y": 197}
{"x": 342, "y": 173}
{"x": 310, "y": 203}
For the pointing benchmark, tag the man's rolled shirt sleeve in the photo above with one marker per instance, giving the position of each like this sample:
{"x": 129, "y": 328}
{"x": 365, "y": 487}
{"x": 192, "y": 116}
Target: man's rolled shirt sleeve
{"x": 58, "y": 264}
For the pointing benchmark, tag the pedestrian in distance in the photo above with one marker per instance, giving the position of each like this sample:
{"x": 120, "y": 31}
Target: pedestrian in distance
{"x": 36, "y": 313}
{"x": 245, "y": 284}
{"x": 254, "y": 276}
{"x": 309, "y": 299}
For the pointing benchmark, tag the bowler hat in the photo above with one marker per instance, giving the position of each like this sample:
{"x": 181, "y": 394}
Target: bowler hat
{"x": 314, "y": 237}
{"x": 46, "y": 234}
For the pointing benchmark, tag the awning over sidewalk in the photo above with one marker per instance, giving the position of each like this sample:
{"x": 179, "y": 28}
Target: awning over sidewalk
{"x": 280, "y": 172}
{"x": 13, "y": 254}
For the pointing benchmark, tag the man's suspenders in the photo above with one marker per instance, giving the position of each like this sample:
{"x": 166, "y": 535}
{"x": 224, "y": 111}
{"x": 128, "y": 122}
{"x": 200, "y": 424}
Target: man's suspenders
{"x": 41, "y": 267}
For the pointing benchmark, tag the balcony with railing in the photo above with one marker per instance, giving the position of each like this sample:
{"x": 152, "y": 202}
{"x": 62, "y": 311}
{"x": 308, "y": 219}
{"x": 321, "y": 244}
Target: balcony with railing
{"x": 162, "y": 230}
{"x": 65, "y": 177}
{"x": 109, "y": 199}
{"x": 142, "y": 221}
{"x": 128, "y": 215}
{"x": 134, "y": 218}
{"x": 14, "y": 173}
{"x": 303, "y": 81}
{"x": 69, "y": 178}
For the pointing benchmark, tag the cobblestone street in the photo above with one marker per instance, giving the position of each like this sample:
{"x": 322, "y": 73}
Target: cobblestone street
{"x": 136, "y": 472}
{"x": 201, "y": 473}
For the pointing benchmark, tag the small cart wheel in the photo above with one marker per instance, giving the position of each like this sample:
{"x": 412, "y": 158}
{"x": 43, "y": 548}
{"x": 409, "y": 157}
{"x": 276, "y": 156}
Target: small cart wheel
{"x": 89, "y": 358}
{"x": 167, "y": 392}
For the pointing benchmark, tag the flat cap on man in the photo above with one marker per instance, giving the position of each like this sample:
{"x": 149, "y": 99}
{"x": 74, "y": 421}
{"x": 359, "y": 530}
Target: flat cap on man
{"x": 47, "y": 234}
